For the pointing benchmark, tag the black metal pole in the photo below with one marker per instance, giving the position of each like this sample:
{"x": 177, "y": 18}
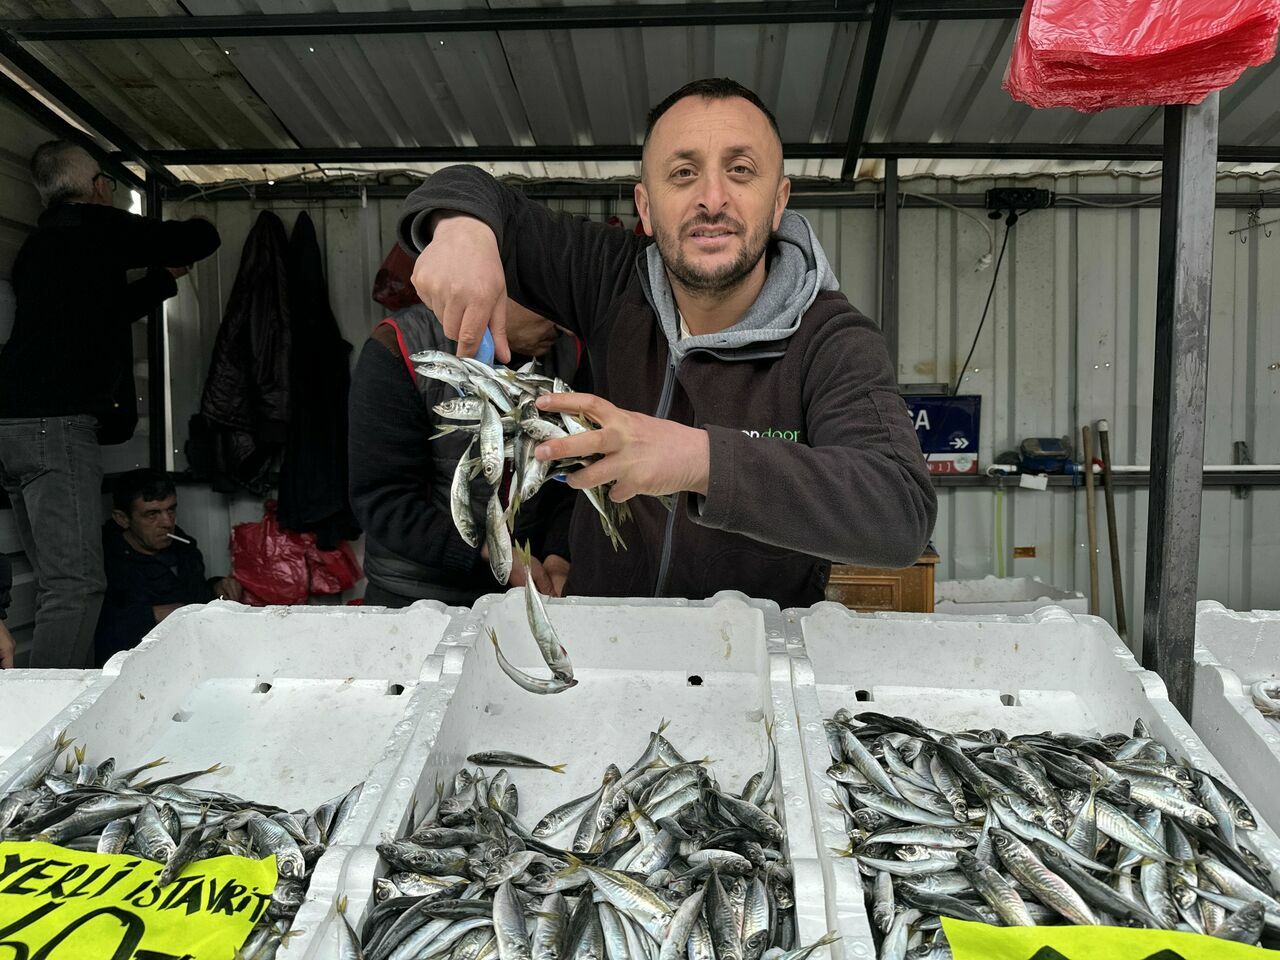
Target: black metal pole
{"x": 157, "y": 406}
{"x": 889, "y": 266}
{"x": 1178, "y": 405}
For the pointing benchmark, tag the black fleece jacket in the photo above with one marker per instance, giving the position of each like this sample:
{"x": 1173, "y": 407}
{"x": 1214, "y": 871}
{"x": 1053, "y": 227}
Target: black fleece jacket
{"x": 813, "y": 457}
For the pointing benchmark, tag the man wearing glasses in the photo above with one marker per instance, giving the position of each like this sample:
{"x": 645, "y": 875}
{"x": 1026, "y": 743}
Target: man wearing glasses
{"x": 66, "y": 378}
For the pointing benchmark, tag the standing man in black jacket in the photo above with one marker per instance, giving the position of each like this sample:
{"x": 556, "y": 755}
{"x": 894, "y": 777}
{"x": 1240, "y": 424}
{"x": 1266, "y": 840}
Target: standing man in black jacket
{"x": 66, "y": 378}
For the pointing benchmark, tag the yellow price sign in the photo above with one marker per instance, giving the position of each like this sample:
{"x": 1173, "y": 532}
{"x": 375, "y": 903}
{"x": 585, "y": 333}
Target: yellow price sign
{"x": 59, "y": 904}
{"x": 981, "y": 941}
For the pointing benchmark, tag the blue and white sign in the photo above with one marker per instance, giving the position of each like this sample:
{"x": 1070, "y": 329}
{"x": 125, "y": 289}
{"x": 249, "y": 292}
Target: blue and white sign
{"x": 947, "y": 428}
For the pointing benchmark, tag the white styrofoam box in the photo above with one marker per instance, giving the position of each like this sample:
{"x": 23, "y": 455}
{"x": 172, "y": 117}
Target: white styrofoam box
{"x": 1011, "y": 595}
{"x": 29, "y": 699}
{"x": 1233, "y": 651}
{"x": 298, "y": 703}
{"x": 634, "y": 660}
{"x": 1049, "y": 670}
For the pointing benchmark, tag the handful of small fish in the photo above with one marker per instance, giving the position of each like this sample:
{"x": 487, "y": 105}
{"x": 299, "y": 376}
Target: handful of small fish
{"x": 497, "y": 408}
{"x": 1047, "y": 828}
{"x": 663, "y": 864}
{"x": 94, "y": 806}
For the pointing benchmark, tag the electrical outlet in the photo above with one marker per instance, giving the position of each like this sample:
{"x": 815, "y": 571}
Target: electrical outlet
{"x": 1019, "y": 198}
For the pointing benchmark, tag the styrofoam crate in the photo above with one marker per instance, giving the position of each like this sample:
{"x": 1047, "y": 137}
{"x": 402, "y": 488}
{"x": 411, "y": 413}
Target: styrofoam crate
{"x": 634, "y": 659}
{"x": 298, "y": 703}
{"x": 1008, "y": 595}
{"x": 29, "y": 699}
{"x": 1050, "y": 670}
{"x": 1233, "y": 651}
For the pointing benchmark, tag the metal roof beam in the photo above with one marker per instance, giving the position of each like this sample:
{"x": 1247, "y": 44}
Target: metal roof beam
{"x": 595, "y": 17}
{"x": 872, "y": 54}
{"x": 71, "y": 99}
{"x": 546, "y": 153}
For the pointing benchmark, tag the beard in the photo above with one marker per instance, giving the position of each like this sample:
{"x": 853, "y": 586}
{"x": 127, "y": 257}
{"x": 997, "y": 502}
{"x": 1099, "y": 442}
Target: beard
{"x": 722, "y": 279}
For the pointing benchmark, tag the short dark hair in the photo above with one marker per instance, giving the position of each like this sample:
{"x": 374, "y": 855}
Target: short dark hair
{"x": 144, "y": 484}
{"x": 710, "y": 88}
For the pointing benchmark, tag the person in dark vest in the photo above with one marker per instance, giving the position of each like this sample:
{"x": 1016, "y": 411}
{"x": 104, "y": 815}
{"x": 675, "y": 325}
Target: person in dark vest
{"x": 66, "y": 378}
{"x": 729, "y": 370}
{"x": 400, "y": 476}
{"x": 153, "y": 566}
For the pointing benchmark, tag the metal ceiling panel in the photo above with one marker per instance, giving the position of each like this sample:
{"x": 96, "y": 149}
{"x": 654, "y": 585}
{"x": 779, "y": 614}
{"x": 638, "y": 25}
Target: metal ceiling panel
{"x": 939, "y": 82}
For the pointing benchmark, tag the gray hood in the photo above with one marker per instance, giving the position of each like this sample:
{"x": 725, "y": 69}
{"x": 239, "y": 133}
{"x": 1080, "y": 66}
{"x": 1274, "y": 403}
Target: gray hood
{"x": 798, "y": 269}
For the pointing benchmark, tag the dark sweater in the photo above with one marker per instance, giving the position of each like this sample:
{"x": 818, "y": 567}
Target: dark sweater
{"x": 813, "y": 457}
{"x": 71, "y": 351}
{"x": 136, "y": 582}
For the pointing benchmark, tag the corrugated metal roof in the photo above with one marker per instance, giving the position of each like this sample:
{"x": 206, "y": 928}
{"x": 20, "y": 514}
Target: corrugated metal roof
{"x": 939, "y": 82}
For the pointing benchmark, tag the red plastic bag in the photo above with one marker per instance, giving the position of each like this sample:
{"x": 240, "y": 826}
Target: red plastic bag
{"x": 1095, "y": 54}
{"x": 331, "y": 571}
{"x": 269, "y": 562}
{"x": 278, "y": 566}
{"x": 392, "y": 286}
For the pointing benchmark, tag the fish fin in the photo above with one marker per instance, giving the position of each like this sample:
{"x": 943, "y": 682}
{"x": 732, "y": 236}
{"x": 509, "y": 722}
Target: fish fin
{"x": 493, "y": 636}
{"x": 557, "y": 767}
{"x": 80, "y": 752}
{"x": 843, "y": 851}
{"x": 523, "y": 554}
{"x": 663, "y": 723}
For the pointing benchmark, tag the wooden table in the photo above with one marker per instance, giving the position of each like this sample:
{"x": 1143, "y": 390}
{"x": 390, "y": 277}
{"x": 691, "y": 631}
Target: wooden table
{"x": 867, "y": 589}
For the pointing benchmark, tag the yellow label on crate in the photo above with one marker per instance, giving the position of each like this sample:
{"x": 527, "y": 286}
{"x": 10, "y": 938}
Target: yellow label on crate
{"x": 59, "y": 904}
{"x": 981, "y": 941}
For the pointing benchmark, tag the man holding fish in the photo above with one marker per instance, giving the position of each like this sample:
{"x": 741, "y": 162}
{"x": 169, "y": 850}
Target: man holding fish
{"x": 729, "y": 371}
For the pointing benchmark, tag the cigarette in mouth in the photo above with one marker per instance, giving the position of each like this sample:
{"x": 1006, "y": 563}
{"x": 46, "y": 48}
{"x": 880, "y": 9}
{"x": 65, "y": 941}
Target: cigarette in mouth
{"x": 174, "y": 536}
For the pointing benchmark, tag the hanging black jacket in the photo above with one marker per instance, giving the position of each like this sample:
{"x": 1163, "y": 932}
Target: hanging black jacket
{"x": 246, "y": 402}
{"x": 313, "y": 476}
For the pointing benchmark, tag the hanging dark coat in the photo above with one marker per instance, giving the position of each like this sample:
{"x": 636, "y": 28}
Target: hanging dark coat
{"x": 313, "y": 477}
{"x": 246, "y": 402}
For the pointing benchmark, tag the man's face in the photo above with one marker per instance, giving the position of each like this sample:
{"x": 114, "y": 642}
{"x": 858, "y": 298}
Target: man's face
{"x": 712, "y": 191}
{"x": 149, "y": 522}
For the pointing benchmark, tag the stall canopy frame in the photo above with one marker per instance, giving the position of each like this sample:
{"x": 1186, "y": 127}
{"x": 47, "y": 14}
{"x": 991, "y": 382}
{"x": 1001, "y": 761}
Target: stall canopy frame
{"x": 1189, "y": 155}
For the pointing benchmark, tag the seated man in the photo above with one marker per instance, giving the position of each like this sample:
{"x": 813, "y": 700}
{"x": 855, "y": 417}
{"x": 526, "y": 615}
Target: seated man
{"x": 153, "y": 568}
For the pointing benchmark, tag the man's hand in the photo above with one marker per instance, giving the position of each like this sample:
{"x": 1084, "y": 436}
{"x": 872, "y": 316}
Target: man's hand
{"x": 557, "y": 569}
{"x": 229, "y": 588}
{"x": 642, "y": 454}
{"x": 7, "y": 648}
{"x": 459, "y": 277}
{"x": 177, "y": 272}
{"x": 163, "y": 610}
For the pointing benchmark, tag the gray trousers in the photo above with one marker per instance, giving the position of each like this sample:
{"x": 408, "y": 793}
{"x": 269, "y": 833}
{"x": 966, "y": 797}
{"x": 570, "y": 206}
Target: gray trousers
{"x": 51, "y": 467}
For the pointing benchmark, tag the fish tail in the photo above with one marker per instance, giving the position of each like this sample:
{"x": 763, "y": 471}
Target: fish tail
{"x": 843, "y": 851}
{"x": 493, "y": 635}
{"x": 557, "y": 767}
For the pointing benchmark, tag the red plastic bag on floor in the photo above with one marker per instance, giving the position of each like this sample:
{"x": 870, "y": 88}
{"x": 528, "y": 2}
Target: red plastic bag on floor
{"x": 269, "y": 562}
{"x": 331, "y": 571}
{"x": 278, "y": 566}
{"x": 1094, "y": 54}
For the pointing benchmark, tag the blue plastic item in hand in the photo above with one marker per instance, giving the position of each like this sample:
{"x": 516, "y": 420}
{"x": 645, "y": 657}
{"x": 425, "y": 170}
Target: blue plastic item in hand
{"x": 485, "y": 352}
